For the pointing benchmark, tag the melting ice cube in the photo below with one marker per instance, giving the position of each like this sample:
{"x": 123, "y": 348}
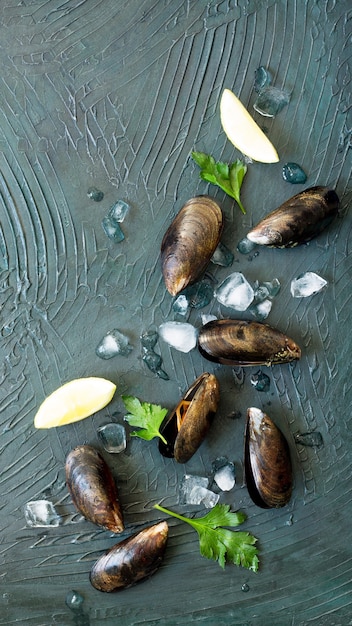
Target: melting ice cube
{"x": 119, "y": 211}
{"x": 270, "y": 101}
{"x": 112, "y": 344}
{"x": 113, "y": 437}
{"x": 224, "y": 473}
{"x": 222, "y": 256}
{"x": 189, "y": 487}
{"x": 307, "y": 284}
{"x": 41, "y": 513}
{"x": 235, "y": 292}
{"x": 179, "y": 335}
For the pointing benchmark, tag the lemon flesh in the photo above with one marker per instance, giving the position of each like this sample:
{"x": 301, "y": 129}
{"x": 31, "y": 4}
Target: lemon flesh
{"x": 243, "y": 131}
{"x": 74, "y": 401}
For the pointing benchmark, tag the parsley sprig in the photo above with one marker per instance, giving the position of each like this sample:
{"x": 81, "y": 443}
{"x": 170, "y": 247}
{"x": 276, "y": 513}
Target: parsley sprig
{"x": 219, "y": 543}
{"x": 228, "y": 177}
{"x": 148, "y": 417}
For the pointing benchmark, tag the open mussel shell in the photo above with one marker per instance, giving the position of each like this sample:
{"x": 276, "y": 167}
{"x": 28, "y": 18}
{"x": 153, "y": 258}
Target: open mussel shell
{"x": 93, "y": 489}
{"x": 242, "y": 342}
{"x": 267, "y": 462}
{"x": 187, "y": 425}
{"x": 132, "y": 560}
{"x": 297, "y": 220}
{"x": 190, "y": 242}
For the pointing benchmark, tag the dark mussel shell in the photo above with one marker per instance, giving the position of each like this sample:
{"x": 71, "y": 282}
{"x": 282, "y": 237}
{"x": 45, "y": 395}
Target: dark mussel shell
{"x": 241, "y": 342}
{"x": 195, "y": 411}
{"x": 131, "y": 560}
{"x": 267, "y": 462}
{"x": 93, "y": 489}
{"x": 190, "y": 242}
{"x": 297, "y": 220}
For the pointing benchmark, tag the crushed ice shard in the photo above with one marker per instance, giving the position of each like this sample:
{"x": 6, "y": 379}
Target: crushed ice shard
{"x": 270, "y": 101}
{"x": 307, "y": 284}
{"x": 293, "y": 173}
{"x": 235, "y": 292}
{"x": 113, "y": 343}
{"x": 41, "y": 513}
{"x": 179, "y": 335}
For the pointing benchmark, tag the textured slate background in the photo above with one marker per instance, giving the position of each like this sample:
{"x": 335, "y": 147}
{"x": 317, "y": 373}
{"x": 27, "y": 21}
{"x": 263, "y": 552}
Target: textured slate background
{"x": 116, "y": 95}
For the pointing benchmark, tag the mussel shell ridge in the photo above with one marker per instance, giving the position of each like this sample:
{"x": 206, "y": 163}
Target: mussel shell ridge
{"x": 131, "y": 560}
{"x": 242, "y": 342}
{"x": 203, "y": 398}
{"x": 93, "y": 489}
{"x": 267, "y": 461}
{"x": 297, "y": 220}
{"x": 190, "y": 242}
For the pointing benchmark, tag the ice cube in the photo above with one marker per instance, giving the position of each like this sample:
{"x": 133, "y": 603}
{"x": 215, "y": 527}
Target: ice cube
{"x": 235, "y": 292}
{"x": 307, "y": 284}
{"x": 153, "y": 362}
{"x": 180, "y": 304}
{"x": 262, "y": 78}
{"x": 113, "y": 437}
{"x": 149, "y": 339}
{"x": 225, "y": 477}
{"x": 204, "y": 496}
{"x": 311, "y": 439}
{"x": 270, "y": 101}
{"x": 112, "y": 229}
{"x": 224, "y": 473}
{"x": 207, "y": 317}
{"x": 260, "y": 381}
{"x": 119, "y": 211}
{"x": 222, "y": 256}
{"x": 245, "y": 246}
{"x": 199, "y": 294}
{"x": 113, "y": 343}
{"x": 190, "y": 483}
{"x": 261, "y": 310}
{"x": 179, "y": 335}
{"x": 41, "y": 513}
{"x": 293, "y": 173}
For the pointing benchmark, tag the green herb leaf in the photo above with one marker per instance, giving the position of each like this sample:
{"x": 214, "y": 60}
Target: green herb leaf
{"x": 228, "y": 177}
{"x": 148, "y": 417}
{"x": 222, "y": 544}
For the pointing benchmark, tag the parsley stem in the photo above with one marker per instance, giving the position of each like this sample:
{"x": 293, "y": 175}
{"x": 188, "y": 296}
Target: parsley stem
{"x": 162, "y": 438}
{"x": 161, "y": 508}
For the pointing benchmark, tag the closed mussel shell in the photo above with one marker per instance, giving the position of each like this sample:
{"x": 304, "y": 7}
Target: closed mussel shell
{"x": 188, "y": 424}
{"x": 267, "y": 461}
{"x": 93, "y": 489}
{"x": 132, "y": 560}
{"x": 297, "y": 220}
{"x": 242, "y": 342}
{"x": 190, "y": 242}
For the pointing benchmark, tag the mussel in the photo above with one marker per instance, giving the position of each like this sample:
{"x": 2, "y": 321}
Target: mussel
{"x": 267, "y": 462}
{"x": 93, "y": 489}
{"x": 190, "y": 242}
{"x": 242, "y": 342}
{"x": 131, "y": 560}
{"x": 297, "y": 220}
{"x": 187, "y": 425}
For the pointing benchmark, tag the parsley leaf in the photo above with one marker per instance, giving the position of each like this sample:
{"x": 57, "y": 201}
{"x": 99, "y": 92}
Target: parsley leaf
{"x": 228, "y": 177}
{"x": 148, "y": 417}
{"x": 221, "y": 544}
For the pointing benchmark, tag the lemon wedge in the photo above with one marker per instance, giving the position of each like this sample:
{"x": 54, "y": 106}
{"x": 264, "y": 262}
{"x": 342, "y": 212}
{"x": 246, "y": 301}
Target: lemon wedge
{"x": 243, "y": 131}
{"x": 74, "y": 401}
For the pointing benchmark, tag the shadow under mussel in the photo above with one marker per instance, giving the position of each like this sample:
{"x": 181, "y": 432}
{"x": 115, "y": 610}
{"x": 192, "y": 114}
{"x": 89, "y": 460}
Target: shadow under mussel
{"x": 267, "y": 461}
{"x": 187, "y": 425}
{"x": 132, "y": 560}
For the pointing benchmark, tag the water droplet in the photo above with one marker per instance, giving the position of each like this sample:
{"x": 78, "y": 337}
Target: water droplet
{"x": 260, "y": 381}
{"x": 74, "y": 600}
{"x": 95, "y": 194}
{"x": 245, "y": 587}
